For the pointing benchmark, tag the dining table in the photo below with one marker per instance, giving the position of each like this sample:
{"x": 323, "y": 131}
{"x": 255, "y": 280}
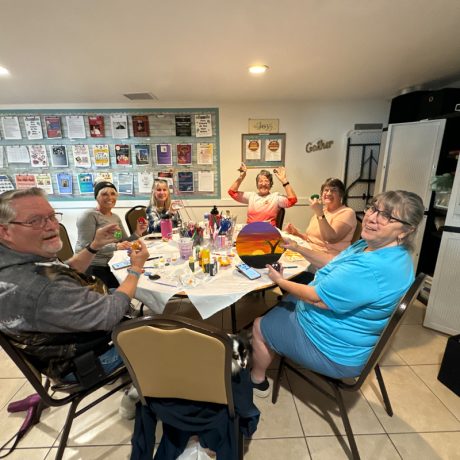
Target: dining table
{"x": 167, "y": 275}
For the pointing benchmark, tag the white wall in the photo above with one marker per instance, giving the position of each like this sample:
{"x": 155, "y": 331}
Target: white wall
{"x": 302, "y": 123}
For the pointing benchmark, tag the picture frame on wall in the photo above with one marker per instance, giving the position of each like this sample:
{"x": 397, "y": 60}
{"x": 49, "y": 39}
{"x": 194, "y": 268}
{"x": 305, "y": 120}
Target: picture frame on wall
{"x": 263, "y": 150}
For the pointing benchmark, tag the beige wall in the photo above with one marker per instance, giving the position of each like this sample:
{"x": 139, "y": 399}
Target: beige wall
{"x": 302, "y": 123}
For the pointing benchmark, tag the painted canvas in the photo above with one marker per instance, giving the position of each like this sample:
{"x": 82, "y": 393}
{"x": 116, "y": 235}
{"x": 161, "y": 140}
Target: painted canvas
{"x": 258, "y": 244}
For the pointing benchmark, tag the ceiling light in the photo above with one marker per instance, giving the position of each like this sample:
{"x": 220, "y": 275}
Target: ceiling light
{"x": 258, "y": 69}
{"x": 4, "y": 71}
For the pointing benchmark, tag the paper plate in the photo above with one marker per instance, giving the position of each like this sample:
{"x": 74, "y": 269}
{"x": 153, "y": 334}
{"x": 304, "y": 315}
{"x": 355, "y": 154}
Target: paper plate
{"x": 258, "y": 244}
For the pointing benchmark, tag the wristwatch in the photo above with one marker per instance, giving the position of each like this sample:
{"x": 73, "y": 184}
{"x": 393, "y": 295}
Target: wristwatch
{"x": 90, "y": 249}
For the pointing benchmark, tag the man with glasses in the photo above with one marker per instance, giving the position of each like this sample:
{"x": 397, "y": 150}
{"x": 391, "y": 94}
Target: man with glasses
{"x": 44, "y": 302}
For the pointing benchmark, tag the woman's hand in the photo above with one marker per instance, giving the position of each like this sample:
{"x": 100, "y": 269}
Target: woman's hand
{"x": 123, "y": 245}
{"x": 274, "y": 275}
{"x": 280, "y": 173}
{"x": 139, "y": 256}
{"x": 141, "y": 226}
{"x": 243, "y": 170}
{"x": 104, "y": 235}
{"x": 291, "y": 229}
{"x": 289, "y": 244}
{"x": 317, "y": 206}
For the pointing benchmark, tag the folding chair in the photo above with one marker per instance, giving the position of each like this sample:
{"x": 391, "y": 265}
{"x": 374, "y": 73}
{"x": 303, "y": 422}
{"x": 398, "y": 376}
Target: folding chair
{"x": 75, "y": 393}
{"x": 132, "y": 215}
{"x": 170, "y": 356}
{"x": 338, "y": 385}
{"x": 280, "y": 218}
{"x": 66, "y": 251}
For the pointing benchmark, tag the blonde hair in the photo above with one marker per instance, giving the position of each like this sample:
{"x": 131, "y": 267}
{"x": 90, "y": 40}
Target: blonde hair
{"x": 153, "y": 200}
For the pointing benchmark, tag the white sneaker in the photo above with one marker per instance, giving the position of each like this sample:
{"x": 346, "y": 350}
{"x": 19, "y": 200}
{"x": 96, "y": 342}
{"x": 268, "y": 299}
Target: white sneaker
{"x": 127, "y": 409}
{"x": 261, "y": 390}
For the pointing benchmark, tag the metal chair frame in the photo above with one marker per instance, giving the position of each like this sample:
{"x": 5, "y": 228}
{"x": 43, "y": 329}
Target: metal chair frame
{"x": 75, "y": 393}
{"x": 334, "y": 387}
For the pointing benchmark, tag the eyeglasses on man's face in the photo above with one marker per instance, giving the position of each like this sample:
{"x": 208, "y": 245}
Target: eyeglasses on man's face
{"x": 383, "y": 217}
{"x": 39, "y": 222}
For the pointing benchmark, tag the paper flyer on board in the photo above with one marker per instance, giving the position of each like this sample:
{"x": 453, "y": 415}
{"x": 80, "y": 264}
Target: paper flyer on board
{"x": 53, "y": 127}
{"x": 103, "y": 176}
{"x": 122, "y": 155}
{"x": 38, "y": 156}
{"x": 185, "y": 181}
{"x": 64, "y": 183}
{"x": 81, "y": 156}
{"x": 203, "y": 125}
{"x": 5, "y": 184}
{"x": 125, "y": 183}
{"x": 11, "y": 129}
{"x": 101, "y": 155}
{"x": 96, "y": 126}
{"x": 25, "y": 181}
{"x": 206, "y": 181}
{"x": 17, "y": 154}
{"x": 75, "y": 126}
{"x": 142, "y": 154}
{"x": 145, "y": 182}
{"x": 33, "y": 127}
{"x": 163, "y": 154}
{"x": 141, "y": 126}
{"x": 85, "y": 183}
{"x": 2, "y": 158}
{"x": 273, "y": 149}
{"x": 204, "y": 153}
{"x": 58, "y": 154}
{"x": 253, "y": 149}
{"x": 183, "y": 125}
{"x": 119, "y": 125}
{"x": 184, "y": 154}
{"x": 44, "y": 182}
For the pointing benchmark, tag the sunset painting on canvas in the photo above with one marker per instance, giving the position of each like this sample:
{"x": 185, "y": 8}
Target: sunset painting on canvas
{"x": 258, "y": 244}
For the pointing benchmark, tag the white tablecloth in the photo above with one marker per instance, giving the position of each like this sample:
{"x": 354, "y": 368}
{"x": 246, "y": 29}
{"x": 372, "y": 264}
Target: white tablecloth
{"x": 210, "y": 295}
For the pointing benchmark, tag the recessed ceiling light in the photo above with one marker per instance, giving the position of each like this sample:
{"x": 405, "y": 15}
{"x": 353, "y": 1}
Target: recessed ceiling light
{"x": 258, "y": 69}
{"x": 4, "y": 71}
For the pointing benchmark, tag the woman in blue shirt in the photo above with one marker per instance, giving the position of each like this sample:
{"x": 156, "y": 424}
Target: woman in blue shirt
{"x": 332, "y": 325}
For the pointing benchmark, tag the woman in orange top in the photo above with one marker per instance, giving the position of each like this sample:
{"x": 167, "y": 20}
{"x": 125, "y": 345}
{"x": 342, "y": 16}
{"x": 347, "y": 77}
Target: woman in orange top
{"x": 331, "y": 228}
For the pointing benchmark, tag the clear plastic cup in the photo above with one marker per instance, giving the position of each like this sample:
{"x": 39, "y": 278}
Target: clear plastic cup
{"x": 185, "y": 248}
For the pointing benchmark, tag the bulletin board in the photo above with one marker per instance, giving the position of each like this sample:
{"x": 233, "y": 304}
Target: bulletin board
{"x": 65, "y": 151}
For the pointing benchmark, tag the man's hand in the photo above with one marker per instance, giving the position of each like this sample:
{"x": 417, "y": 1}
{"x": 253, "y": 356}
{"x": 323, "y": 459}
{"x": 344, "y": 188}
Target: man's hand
{"x": 104, "y": 235}
{"x": 139, "y": 256}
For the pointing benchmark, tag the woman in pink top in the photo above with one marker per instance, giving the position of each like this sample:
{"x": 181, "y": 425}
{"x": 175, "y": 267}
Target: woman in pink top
{"x": 331, "y": 228}
{"x": 263, "y": 205}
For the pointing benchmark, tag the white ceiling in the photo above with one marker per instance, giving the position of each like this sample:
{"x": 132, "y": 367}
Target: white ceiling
{"x": 94, "y": 51}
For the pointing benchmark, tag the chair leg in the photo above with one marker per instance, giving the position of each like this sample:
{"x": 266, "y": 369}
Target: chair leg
{"x": 346, "y": 423}
{"x": 277, "y": 381}
{"x": 67, "y": 426}
{"x": 383, "y": 390}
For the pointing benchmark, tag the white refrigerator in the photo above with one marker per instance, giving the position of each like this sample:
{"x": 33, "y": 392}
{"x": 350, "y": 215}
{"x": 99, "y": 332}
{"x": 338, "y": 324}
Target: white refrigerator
{"x": 409, "y": 162}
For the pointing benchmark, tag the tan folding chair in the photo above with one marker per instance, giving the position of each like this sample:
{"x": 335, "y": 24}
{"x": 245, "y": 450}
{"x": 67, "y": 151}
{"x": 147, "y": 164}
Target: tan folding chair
{"x": 170, "y": 356}
{"x": 66, "y": 251}
{"x": 334, "y": 387}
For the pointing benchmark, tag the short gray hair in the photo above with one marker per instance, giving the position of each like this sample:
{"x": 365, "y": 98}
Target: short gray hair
{"x": 407, "y": 206}
{"x": 7, "y": 212}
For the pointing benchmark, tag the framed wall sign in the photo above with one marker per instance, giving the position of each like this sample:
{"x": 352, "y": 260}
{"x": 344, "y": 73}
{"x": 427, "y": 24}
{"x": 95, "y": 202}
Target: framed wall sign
{"x": 263, "y": 150}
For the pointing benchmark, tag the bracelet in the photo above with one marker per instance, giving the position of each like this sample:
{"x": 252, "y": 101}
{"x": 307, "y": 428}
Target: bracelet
{"x": 287, "y": 183}
{"x": 321, "y": 217}
{"x": 133, "y": 272}
{"x": 90, "y": 249}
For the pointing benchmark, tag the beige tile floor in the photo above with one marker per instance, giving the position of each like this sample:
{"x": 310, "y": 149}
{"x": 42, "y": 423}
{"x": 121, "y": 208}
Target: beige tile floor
{"x": 301, "y": 426}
